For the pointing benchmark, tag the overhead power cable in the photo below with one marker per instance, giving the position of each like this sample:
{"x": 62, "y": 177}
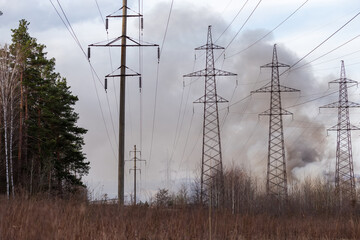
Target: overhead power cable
{"x": 178, "y": 127}
{"x": 232, "y": 104}
{"x": 338, "y": 30}
{"x": 167, "y": 26}
{"x": 267, "y": 34}
{"x": 74, "y": 36}
{"x": 232, "y": 21}
{"x": 102, "y": 18}
{"x": 93, "y": 72}
{"x": 227, "y": 5}
{"x": 336, "y": 58}
{"x": 157, "y": 79}
{"x": 352, "y": 39}
{"x": 237, "y": 33}
{"x": 315, "y": 99}
{"x": 102, "y": 113}
{"x": 67, "y": 27}
{"x": 304, "y": 56}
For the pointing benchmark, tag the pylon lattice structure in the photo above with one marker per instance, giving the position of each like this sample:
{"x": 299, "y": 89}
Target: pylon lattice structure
{"x": 211, "y": 163}
{"x": 344, "y": 172}
{"x": 276, "y": 184}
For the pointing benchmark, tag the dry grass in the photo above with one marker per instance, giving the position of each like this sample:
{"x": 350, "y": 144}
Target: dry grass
{"x": 42, "y": 218}
{"x": 311, "y": 212}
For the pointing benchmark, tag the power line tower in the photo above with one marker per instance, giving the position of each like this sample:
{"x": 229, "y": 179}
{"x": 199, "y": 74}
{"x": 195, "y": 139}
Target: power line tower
{"x": 344, "y": 173}
{"x": 211, "y": 163}
{"x": 276, "y": 179}
{"x": 125, "y": 41}
{"x": 135, "y": 159}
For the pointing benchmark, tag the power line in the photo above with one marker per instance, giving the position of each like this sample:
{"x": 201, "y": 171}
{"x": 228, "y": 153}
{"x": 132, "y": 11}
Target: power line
{"x": 314, "y": 99}
{"x": 167, "y": 27}
{"x": 73, "y": 35}
{"x": 111, "y": 118}
{"x": 93, "y": 72}
{"x": 78, "y": 42}
{"x": 102, "y": 18}
{"x": 72, "y": 30}
{"x": 337, "y": 58}
{"x": 102, "y": 113}
{"x": 338, "y": 30}
{"x": 157, "y": 79}
{"x": 176, "y": 138}
{"x": 232, "y": 21}
{"x": 257, "y": 5}
{"x": 319, "y": 28}
{"x": 182, "y": 120}
{"x": 257, "y": 81}
{"x": 110, "y": 57}
{"x": 239, "y": 30}
{"x": 257, "y": 41}
{"x": 187, "y": 139}
{"x": 302, "y": 57}
{"x": 227, "y": 5}
{"x": 239, "y": 101}
{"x": 154, "y": 112}
{"x": 352, "y": 39}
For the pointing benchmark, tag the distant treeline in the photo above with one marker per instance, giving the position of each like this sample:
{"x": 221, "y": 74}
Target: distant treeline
{"x": 40, "y": 144}
{"x": 246, "y": 195}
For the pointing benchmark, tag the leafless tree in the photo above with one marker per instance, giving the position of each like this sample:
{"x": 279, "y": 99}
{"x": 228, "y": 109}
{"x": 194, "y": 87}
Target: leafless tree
{"x": 9, "y": 86}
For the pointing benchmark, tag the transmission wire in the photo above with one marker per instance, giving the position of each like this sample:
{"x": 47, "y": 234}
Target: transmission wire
{"x": 338, "y": 30}
{"x": 257, "y": 41}
{"x": 232, "y": 21}
{"x": 93, "y": 72}
{"x": 157, "y": 80}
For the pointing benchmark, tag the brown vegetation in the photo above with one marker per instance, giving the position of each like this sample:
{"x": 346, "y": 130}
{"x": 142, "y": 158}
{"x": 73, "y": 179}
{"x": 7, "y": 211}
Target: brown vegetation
{"x": 310, "y": 213}
{"x": 60, "y": 219}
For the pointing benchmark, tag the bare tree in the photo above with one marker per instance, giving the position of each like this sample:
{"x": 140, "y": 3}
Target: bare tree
{"x": 8, "y": 95}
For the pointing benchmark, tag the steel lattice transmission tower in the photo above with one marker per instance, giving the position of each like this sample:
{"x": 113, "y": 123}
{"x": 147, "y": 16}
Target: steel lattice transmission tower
{"x": 344, "y": 173}
{"x": 211, "y": 163}
{"x": 276, "y": 184}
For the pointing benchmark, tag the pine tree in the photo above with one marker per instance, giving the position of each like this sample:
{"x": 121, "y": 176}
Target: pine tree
{"x": 49, "y": 153}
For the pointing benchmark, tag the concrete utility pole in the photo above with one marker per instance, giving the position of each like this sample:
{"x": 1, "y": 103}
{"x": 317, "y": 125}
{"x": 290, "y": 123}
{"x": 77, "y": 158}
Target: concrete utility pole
{"x": 135, "y": 160}
{"x": 123, "y": 74}
{"x": 121, "y": 156}
{"x": 276, "y": 184}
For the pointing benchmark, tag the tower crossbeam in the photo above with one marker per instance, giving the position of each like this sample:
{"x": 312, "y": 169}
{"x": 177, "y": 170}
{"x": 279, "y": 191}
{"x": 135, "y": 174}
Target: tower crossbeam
{"x": 211, "y": 163}
{"x": 276, "y": 180}
{"x": 344, "y": 170}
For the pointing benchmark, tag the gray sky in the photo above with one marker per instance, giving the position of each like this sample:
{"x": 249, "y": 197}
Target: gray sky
{"x": 176, "y": 146}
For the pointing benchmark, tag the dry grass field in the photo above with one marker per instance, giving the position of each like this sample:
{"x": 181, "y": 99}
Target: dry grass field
{"x": 41, "y": 218}
{"x": 311, "y": 212}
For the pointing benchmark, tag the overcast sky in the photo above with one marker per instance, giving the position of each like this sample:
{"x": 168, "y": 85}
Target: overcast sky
{"x": 173, "y": 147}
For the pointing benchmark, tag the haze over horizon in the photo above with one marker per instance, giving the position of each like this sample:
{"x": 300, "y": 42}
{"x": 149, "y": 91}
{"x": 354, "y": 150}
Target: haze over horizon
{"x": 176, "y": 142}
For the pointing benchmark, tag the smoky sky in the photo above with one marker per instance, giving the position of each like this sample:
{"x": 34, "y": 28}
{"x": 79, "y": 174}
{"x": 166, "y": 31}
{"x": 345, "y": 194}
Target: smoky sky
{"x": 175, "y": 142}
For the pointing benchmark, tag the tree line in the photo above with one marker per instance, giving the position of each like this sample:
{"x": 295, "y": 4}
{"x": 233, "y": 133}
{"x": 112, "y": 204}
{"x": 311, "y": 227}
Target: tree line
{"x": 40, "y": 142}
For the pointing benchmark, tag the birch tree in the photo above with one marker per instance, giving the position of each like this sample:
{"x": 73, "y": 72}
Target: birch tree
{"x": 8, "y": 95}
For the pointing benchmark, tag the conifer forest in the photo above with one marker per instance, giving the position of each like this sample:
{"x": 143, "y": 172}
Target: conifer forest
{"x": 41, "y": 145}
